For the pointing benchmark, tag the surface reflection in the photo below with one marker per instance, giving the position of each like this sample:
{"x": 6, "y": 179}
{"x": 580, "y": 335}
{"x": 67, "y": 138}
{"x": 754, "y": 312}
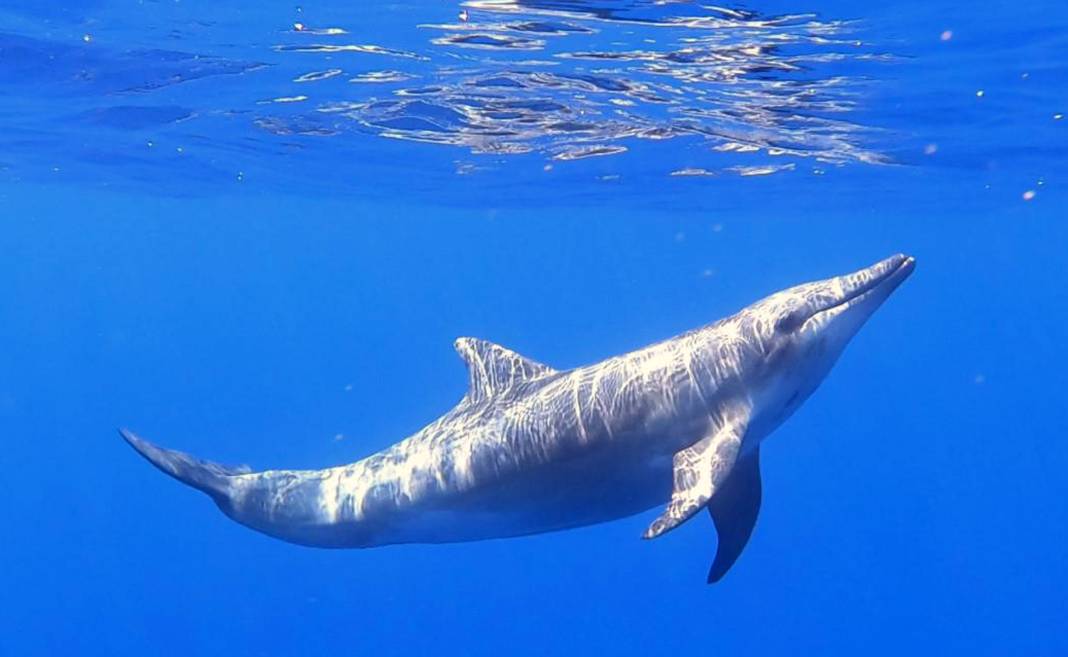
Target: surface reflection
{"x": 571, "y": 80}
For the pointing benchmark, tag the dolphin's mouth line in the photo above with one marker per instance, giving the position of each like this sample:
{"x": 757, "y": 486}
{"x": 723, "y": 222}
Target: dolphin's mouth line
{"x": 892, "y": 276}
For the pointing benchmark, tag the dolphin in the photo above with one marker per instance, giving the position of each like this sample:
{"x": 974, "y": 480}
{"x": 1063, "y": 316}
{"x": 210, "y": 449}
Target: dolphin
{"x": 532, "y": 449}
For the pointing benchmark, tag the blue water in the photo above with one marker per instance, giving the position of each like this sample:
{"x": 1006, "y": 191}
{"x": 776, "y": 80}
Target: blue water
{"x": 253, "y": 234}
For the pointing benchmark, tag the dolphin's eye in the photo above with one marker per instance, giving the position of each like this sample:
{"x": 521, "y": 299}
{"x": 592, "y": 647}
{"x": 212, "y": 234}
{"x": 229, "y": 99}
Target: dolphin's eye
{"x": 790, "y": 322}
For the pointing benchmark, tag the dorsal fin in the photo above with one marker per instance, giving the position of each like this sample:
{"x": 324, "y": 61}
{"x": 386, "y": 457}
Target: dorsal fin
{"x": 492, "y": 369}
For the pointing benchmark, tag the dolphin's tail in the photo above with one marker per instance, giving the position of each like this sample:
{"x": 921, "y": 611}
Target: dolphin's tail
{"x": 212, "y": 478}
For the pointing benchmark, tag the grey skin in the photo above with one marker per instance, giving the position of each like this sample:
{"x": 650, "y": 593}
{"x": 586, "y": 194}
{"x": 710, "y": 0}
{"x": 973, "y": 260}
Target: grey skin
{"x": 530, "y": 449}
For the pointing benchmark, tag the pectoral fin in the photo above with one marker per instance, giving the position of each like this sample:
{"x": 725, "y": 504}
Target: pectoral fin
{"x": 734, "y": 510}
{"x": 699, "y": 471}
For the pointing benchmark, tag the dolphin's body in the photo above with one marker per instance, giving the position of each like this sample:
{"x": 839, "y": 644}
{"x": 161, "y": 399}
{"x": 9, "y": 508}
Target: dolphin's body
{"x": 530, "y": 449}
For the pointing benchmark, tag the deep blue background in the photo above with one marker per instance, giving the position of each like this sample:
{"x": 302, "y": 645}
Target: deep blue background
{"x": 916, "y": 503}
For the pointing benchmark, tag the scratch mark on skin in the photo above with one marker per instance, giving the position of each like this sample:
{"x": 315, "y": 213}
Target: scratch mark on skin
{"x": 577, "y": 407}
{"x": 688, "y": 364}
{"x": 598, "y": 404}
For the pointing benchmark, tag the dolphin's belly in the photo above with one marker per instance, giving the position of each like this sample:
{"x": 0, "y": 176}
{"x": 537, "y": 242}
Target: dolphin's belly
{"x": 583, "y": 490}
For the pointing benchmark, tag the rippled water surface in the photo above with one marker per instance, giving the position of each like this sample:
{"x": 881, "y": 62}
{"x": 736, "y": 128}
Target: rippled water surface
{"x": 671, "y": 89}
{"x": 574, "y": 81}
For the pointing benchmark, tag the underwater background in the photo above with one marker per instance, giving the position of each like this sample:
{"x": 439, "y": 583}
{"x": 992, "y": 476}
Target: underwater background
{"x": 252, "y": 233}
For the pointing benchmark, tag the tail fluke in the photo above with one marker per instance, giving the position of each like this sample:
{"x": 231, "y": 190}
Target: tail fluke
{"x": 212, "y": 478}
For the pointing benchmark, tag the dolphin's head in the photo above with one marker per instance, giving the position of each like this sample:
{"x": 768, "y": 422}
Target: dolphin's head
{"x": 799, "y": 333}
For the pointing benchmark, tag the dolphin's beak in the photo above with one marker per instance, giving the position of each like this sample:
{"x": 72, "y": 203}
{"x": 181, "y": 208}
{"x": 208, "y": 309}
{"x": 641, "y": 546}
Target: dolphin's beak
{"x": 878, "y": 280}
{"x": 863, "y": 290}
{"x": 883, "y": 277}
